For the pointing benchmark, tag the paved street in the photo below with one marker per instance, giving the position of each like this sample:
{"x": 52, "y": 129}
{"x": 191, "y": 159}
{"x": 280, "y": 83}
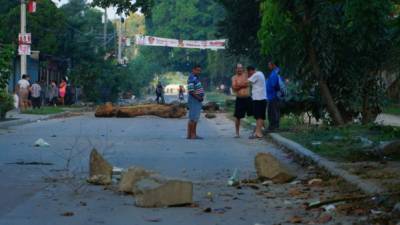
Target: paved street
{"x": 41, "y": 194}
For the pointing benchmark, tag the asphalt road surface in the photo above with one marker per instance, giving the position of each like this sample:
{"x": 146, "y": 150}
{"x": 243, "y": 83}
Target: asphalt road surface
{"x": 58, "y": 193}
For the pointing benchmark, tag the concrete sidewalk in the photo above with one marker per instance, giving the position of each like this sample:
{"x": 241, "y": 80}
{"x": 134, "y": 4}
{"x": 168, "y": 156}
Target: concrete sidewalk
{"x": 15, "y": 118}
{"x": 388, "y": 120}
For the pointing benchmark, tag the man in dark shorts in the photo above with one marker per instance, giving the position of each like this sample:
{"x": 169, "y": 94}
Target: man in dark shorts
{"x": 259, "y": 96}
{"x": 243, "y": 103}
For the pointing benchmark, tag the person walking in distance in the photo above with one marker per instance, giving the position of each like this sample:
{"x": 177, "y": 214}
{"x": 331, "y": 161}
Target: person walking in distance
{"x": 258, "y": 94}
{"x": 243, "y": 103}
{"x": 181, "y": 93}
{"x": 63, "y": 91}
{"x": 36, "y": 95}
{"x": 160, "y": 93}
{"x": 23, "y": 92}
{"x": 195, "y": 99}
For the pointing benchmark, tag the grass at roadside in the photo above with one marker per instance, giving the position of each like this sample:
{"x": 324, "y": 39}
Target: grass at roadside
{"x": 393, "y": 109}
{"x": 46, "y": 110}
{"x": 348, "y": 143}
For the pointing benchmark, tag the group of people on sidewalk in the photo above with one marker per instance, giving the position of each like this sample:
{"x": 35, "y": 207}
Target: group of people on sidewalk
{"x": 34, "y": 95}
{"x": 254, "y": 95}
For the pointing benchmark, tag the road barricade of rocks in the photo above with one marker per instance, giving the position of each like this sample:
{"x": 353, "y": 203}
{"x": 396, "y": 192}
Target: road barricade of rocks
{"x": 163, "y": 111}
{"x": 153, "y": 191}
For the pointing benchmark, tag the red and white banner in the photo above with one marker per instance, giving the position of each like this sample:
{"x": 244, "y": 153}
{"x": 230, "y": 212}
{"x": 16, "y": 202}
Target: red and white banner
{"x": 174, "y": 43}
{"x": 24, "y": 49}
{"x": 25, "y": 39}
{"x": 32, "y": 6}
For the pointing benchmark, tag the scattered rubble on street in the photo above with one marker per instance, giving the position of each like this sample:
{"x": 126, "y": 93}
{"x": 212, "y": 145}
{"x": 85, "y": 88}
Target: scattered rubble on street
{"x": 268, "y": 167}
{"x": 100, "y": 171}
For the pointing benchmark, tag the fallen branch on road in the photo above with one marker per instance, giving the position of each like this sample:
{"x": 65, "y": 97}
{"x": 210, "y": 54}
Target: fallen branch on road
{"x": 163, "y": 111}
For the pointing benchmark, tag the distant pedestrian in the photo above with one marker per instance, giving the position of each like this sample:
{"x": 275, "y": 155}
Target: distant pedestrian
{"x": 160, "y": 93}
{"x": 36, "y": 95}
{"x": 63, "y": 91}
{"x": 43, "y": 92}
{"x": 181, "y": 93}
{"x": 258, "y": 94}
{"x": 53, "y": 93}
{"x": 243, "y": 103}
{"x": 195, "y": 99}
{"x": 273, "y": 88}
{"x": 23, "y": 92}
{"x": 28, "y": 78}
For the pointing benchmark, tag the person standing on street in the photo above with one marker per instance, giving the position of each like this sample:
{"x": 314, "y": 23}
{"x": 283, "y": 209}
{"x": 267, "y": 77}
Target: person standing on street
{"x": 258, "y": 94}
{"x": 243, "y": 103}
{"x": 53, "y": 93}
{"x": 181, "y": 93}
{"x": 195, "y": 99}
{"x": 160, "y": 93}
{"x": 23, "y": 92}
{"x": 36, "y": 95}
{"x": 63, "y": 91}
{"x": 273, "y": 87}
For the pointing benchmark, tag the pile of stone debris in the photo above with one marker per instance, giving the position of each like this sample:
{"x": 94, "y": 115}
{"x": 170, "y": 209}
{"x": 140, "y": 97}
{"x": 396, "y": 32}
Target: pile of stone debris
{"x": 152, "y": 190}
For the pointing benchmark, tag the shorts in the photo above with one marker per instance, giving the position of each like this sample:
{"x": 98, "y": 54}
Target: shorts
{"x": 194, "y": 109}
{"x": 259, "y": 109}
{"x": 23, "y": 94}
{"x": 243, "y": 106}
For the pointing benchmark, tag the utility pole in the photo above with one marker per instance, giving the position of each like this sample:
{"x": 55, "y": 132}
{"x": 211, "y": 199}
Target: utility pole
{"x": 105, "y": 28}
{"x": 120, "y": 42}
{"x": 23, "y": 32}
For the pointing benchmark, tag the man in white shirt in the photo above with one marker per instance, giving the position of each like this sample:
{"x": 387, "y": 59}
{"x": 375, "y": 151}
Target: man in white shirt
{"x": 22, "y": 88}
{"x": 35, "y": 93}
{"x": 259, "y": 96}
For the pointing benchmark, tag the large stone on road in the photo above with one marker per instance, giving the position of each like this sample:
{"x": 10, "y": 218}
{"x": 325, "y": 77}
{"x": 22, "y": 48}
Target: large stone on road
{"x": 130, "y": 177}
{"x": 163, "y": 111}
{"x": 155, "y": 192}
{"x": 100, "y": 171}
{"x": 268, "y": 167}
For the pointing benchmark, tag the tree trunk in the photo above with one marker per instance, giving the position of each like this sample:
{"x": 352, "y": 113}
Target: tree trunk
{"x": 332, "y": 108}
{"x": 369, "y": 112}
{"x": 325, "y": 92}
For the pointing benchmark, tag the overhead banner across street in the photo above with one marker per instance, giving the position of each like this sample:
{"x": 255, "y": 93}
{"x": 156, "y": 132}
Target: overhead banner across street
{"x": 175, "y": 43}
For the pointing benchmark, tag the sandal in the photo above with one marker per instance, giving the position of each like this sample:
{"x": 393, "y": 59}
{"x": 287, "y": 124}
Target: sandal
{"x": 252, "y": 137}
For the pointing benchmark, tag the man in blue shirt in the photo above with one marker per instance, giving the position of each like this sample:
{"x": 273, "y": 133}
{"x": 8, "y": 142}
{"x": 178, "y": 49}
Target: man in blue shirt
{"x": 195, "y": 99}
{"x": 272, "y": 96}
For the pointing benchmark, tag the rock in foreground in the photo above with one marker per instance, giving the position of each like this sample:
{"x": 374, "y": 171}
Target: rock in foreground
{"x": 130, "y": 177}
{"x": 268, "y": 167}
{"x": 154, "y": 192}
{"x": 100, "y": 171}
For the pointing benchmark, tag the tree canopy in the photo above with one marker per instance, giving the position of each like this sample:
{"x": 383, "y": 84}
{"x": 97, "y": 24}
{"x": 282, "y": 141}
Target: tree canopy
{"x": 339, "y": 47}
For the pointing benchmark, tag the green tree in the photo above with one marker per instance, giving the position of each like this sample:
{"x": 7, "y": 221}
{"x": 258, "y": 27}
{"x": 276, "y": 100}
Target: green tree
{"x": 240, "y": 25}
{"x": 6, "y": 56}
{"x": 338, "y": 47}
{"x": 46, "y": 26}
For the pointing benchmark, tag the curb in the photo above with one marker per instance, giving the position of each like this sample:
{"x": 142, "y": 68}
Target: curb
{"x": 331, "y": 167}
{"x": 19, "y": 122}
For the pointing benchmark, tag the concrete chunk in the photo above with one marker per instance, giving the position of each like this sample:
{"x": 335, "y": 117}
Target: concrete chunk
{"x": 100, "y": 171}
{"x": 130, "y": 177}
{"x": 154, "y": 192}
{"x": 268, "y": 167}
